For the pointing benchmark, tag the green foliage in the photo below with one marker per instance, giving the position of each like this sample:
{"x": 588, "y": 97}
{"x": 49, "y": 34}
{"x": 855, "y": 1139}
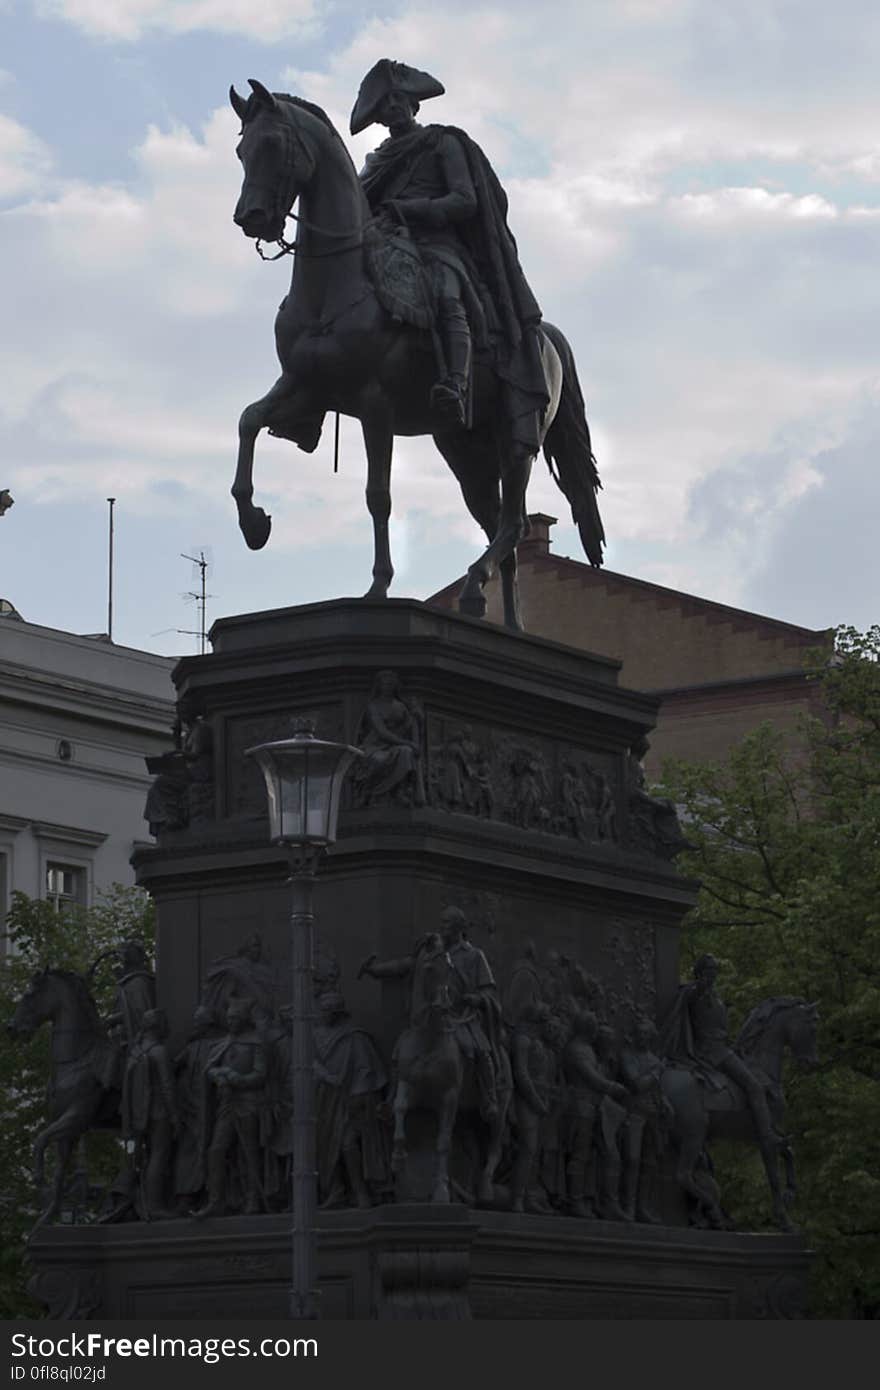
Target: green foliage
{"x": 785, "y": 841}
{"x": 36, "y": 936}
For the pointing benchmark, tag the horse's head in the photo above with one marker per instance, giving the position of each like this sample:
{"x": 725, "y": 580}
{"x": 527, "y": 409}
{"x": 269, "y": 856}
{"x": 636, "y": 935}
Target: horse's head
{"x": 277, "y": 161}
{"x": 775, "y": 1024}
{"x": 803, "y": 1024}
{"x": 34, "y": 1007}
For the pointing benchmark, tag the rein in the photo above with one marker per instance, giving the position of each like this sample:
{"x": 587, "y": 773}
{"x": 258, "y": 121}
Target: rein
{"x": 290, "y": 248}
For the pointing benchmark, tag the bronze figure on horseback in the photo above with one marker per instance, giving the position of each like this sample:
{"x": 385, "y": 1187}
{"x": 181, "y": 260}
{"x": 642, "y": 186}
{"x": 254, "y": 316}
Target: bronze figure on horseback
{"x": 409, "y": 311}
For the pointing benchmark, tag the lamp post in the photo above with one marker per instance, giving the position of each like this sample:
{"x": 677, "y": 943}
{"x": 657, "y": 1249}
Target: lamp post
{"x": 304, "y": 777}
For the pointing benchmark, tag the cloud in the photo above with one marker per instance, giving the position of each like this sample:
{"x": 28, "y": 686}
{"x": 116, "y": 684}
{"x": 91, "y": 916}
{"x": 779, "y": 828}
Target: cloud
{"x": 821, "y": 562}
{"x": 702, "y": 228}
{"x": 129, "y": 20}
{"x": 25, "y": 161}
{"x": 738, "y": 204}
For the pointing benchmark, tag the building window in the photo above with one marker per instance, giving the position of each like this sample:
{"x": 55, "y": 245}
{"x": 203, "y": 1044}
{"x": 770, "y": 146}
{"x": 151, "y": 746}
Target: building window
{"x": 65, "y": 886}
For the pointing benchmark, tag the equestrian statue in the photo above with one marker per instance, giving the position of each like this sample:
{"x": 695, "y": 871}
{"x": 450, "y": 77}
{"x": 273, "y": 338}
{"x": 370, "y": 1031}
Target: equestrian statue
{"x": 718, "y": 1090}
{"x": 409, "y": 311}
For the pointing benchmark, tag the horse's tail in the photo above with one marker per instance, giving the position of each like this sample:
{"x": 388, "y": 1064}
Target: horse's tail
{"x": 569, "y": 452}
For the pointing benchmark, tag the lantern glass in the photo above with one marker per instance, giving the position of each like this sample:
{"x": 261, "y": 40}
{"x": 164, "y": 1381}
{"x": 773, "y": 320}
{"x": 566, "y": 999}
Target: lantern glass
{"x": 304, "y": 777}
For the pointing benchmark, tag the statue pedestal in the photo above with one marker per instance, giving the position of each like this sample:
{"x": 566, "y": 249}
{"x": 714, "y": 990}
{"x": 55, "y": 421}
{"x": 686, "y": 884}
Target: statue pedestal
{"x": 514, "y": 804}
{"x": 422, "y": 1262}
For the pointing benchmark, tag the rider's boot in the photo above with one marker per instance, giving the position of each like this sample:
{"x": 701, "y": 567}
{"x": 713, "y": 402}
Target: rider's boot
{"x": 449, "y": 397}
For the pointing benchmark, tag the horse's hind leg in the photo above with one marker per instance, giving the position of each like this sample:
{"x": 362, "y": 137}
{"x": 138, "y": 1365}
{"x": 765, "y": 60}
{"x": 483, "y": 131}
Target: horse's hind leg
{"x": 379, "y": 442}
{"x": 475, "y": 463}
{"x": 255, "y": 524}
{"x": 502, "y": 546}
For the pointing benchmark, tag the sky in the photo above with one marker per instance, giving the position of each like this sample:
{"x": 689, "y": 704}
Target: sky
{"x": 694, "y": 186}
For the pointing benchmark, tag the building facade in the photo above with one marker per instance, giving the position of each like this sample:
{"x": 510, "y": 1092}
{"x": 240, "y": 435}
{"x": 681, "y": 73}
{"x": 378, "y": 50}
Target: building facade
{"x": 720, "y": 671}
{"x": 78, "y": 715}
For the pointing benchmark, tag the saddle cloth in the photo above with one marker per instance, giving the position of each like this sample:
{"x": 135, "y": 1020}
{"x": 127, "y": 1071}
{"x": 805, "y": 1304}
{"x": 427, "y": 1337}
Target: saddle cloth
{"x": 395, "y": 267}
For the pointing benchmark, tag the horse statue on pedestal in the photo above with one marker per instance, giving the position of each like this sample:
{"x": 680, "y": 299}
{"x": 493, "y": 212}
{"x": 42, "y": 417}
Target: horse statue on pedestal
{"x": 431, "y": 1072}
{"x": 716, "y": 1107}
{"x": 82, "y": 1093}
{"x": 341, "y": 350}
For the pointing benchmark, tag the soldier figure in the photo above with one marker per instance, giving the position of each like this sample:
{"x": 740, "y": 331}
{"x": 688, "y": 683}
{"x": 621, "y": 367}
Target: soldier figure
{"x": 526, "y": 986}
{"x": 538, "y": 1041}
{"x": 189, "y": 1068}
{"x": 351, "y": 1080}
{"x": 474, "y": 989}
{"x": 235, "y": 1075}
{"x": 644, "y": 1131}
{"x": 586, "y": 1085}
{"x": 695, "y": 1033}
{"x": 612, "y": 1115}
{"x": 135, "y": 992}
{"x": 149, "y": 1111}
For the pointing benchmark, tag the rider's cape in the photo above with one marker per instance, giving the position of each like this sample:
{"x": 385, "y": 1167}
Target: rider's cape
{"x": 677, "y": 1040}
{"x": 676, "y": 1035}
{"x": 512, "y": 314}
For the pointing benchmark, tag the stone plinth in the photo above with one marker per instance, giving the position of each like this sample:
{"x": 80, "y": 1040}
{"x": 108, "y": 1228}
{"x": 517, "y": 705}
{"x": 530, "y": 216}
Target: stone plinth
{"x": 422, "y": 1262}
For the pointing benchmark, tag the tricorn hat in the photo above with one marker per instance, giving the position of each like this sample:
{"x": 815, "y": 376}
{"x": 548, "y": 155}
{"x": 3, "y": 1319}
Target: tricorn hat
{"x": 387, "y": 76}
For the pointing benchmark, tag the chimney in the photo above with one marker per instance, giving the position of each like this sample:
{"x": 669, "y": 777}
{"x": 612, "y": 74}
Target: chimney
{"x": 537, "y": 542}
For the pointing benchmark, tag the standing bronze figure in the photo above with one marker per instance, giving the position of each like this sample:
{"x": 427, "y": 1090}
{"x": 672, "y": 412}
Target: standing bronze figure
{"x": 409, "y": 311}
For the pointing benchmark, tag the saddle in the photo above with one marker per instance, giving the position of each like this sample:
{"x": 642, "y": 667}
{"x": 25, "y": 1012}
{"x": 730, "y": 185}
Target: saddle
{"x": 722, "y": 1093}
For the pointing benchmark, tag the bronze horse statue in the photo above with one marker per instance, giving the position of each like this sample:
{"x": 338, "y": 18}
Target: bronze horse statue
{"x": 340, "y": 351}
{"x": 432, "y": 1074}
{"x": 701, "y": 1113}
{"x": 84, "y": 1063}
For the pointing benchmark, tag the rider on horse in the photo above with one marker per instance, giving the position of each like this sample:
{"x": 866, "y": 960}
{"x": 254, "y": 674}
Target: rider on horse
{"x": 695, "y": 1033}
{"x": 447, "y": 971}
{"x": 438, "y": 183}
{"x": 476, "y": 1005}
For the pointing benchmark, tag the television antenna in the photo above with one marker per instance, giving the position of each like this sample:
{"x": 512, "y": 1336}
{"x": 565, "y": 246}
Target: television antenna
{"x": 200, "y": 595}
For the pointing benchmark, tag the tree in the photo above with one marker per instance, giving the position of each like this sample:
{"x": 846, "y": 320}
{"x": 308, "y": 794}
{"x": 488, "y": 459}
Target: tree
{"x": 37, "y": 935}
{"x": 785, "y": 840}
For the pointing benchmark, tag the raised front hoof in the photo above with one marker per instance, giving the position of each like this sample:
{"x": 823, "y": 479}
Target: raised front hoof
{"x": 255, "y": 527}
{"x": 473, "y": 605}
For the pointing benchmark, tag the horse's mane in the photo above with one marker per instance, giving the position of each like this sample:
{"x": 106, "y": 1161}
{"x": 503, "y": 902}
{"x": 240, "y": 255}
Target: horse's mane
{"x": 84, "y": 997}
{"x": 760, "y": 1018}
{"x": 309, "y": 106}
{"x": 321, "y": 115}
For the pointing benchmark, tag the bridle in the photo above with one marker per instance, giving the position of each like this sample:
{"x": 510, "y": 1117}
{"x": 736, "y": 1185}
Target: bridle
{"x": 293, "y": 141}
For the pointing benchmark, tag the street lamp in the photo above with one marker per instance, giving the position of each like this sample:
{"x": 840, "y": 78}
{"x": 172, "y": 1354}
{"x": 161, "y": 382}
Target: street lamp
{"x": 304, "y": 777}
